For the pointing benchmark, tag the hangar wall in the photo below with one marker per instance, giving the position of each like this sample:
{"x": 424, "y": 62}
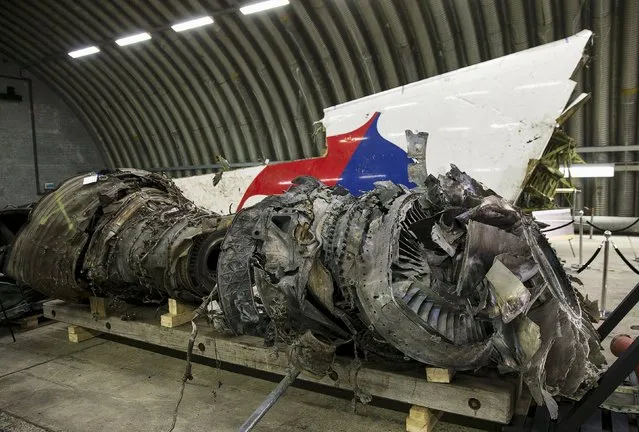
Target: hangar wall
{"x": 249, "y": 88}
{"x": 64, "y": 146}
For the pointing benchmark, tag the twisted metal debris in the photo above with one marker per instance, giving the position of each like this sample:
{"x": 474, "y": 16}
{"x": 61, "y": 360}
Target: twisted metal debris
{"x": 125, "y": 233}
{"x": 448, "y": 274}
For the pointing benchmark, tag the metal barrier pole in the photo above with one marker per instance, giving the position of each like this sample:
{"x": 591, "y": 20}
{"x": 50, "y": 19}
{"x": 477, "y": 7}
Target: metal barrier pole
{"x": 581, "y": 237}
{"x": 604, "y": 281}
{"x": 592, "y": 221}
{"x": 270, "y": 400}
{"x": 581, "y": 241}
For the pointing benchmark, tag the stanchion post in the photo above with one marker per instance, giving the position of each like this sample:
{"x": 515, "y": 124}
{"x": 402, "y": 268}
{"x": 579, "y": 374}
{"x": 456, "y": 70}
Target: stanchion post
{"x": 581, "y": 241}
{"x": 581, "y": 237}
{"x": 592, "y": 221}
{"x": 604, "y": 281}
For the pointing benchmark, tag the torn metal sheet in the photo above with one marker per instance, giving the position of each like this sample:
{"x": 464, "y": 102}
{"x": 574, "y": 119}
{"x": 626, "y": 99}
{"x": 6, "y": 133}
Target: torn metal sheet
{"x": 511, "y": 296}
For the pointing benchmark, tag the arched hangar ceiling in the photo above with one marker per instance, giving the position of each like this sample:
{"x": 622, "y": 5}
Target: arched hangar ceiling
{"x": 250, "y": 87}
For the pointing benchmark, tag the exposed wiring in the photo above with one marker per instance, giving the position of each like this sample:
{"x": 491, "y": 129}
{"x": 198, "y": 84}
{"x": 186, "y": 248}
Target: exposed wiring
{"x": 201, "y": 310}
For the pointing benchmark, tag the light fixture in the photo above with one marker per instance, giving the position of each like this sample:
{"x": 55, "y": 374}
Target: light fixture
{"x": 188, "y": 25}
{"x": 588, "y": 170}
{"x": 262, "y": 6}
{"x": 133, "y": 39}
{"x": 84, "y": 51}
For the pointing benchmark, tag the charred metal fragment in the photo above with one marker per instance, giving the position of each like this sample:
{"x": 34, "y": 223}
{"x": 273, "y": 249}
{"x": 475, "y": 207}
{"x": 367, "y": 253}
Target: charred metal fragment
{"x": 125, "y": 233}
{"x": 448, "y": 274}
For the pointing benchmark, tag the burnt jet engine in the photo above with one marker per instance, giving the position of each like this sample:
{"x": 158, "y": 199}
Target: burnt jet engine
{"x": 124, "y": 233}
{"x": 447, "y": 274}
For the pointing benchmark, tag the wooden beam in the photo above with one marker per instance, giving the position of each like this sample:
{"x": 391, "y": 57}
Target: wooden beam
{"x": 493, "y": 397}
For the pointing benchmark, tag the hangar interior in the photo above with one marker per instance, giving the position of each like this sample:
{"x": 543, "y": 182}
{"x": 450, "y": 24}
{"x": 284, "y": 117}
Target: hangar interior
{"x": 318, "y": 215}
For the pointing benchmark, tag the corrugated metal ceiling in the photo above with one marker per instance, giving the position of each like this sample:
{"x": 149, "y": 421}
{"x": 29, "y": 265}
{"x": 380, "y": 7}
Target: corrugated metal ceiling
{"x": 250, "y": 88}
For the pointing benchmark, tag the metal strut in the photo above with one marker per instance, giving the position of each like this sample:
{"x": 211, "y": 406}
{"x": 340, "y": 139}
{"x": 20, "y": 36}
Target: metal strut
{"x": 270, "y": 400}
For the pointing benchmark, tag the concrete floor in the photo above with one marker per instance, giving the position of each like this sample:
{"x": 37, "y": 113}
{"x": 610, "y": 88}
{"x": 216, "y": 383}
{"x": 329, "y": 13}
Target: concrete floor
{"x": 49, "y": 384}
{"x": 100, "y": 385}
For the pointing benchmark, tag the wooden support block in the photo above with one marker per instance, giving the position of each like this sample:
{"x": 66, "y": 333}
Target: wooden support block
{"x": 28, "y": 323}
{"x": 178, "y": 314}
{"x": 79, "y": 334}
{"x": 422, "y": 419}
{"x": 98, "y": 306}
{"x": 177, "y": 308}
{"x": 420, "y": 413}
{"x": 439, "y": 375}
{"x": 170, "y": 320}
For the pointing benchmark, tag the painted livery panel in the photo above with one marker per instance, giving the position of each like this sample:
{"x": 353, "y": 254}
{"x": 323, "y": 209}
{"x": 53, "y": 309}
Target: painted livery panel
{"x": 489, "y": 119}
{"x": 355, "y": 160}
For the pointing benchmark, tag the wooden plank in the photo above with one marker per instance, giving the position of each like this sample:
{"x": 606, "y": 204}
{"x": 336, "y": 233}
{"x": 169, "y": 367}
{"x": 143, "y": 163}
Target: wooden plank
{"x": 439, "y": 375}
{"x": 493, "y": 399}
{"x": 98, "y": 306}
{"x": 79, "y": 334}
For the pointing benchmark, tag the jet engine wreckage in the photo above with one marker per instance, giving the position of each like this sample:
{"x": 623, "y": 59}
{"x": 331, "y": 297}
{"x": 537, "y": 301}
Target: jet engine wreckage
{"x": 447, "y": 274}
{"x": 126, "y": 233}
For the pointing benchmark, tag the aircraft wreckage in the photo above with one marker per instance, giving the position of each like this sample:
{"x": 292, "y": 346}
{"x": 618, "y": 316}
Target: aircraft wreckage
{"x": 448, "y": 274}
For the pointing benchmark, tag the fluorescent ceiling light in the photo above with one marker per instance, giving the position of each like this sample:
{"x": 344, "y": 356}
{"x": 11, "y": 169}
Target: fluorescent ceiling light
{"x": 188, "y": 25}
{"x": 589, "y": 170}
{"x": 84, "y": 51}
{"x": 262, "y": 6}
{"x": 133, "y": 39}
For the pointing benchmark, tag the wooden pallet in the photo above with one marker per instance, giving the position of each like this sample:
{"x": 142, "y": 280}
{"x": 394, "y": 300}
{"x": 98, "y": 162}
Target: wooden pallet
{"x": 485, "y": 398}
